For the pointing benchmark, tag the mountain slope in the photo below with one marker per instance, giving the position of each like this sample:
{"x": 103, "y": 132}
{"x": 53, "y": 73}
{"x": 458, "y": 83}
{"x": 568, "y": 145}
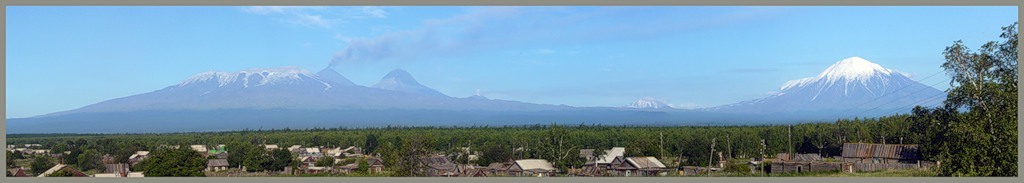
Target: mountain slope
{"x": 852, "y": 86}
{"x": 402, "y": 81}
{"x": 648, "y": 103}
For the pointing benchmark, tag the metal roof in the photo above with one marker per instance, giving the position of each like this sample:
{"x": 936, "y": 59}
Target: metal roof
{"x": 890, "y": 151}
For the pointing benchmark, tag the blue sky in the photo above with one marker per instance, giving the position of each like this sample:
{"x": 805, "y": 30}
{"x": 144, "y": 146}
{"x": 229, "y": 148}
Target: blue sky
{"x": 62, "y": 58}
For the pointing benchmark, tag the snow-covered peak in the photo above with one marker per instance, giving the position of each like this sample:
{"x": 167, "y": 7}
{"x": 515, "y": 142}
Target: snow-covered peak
{"x": 846, "y": 71}
{"x": 648, "y": 103}
{"x": 853, "y": 69}
{"x": 252, "y": 77}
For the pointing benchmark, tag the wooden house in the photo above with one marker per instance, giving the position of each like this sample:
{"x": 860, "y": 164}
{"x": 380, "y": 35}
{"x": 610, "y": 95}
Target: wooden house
{"x": 438, "y": 166}
{"x": 639, "y": 166}
{"x": 376, "y": 165}
{"x": 217, "y": 165}
{"x": 532, "y": 168}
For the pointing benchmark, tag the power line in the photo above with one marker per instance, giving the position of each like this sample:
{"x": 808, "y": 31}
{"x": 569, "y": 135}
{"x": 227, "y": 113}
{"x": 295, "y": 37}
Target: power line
{"x": 915, "y": 92}
{"x": 876, "y": 98}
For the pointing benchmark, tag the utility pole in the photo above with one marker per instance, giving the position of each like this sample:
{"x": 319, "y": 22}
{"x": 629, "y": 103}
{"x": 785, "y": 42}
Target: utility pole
{"x": 763, "y": 148}
{"x": 711, "y": 156}
{"x": 790, "y": 154}
{"x": 661, "y": 136}
{"x": 728, "y": 144}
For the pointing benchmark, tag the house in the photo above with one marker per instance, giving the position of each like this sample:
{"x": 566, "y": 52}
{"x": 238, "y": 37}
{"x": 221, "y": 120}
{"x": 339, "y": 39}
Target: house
{"x": 217, "y": 165}
{"x": 317, "y": 169}
{"x": 352, "y": 152}
{"x": 640, "y": 166}
{"x": 201, "y": 149}
{"x": 296, "y": 148}
{"x": 120, "y": 169}
{"x": 874, "y": 157}
{"x": 349, "y": 168}
{"x": 438, "y": 166}
{"x": 138, "y": 156}
{"x": 33, "y": 145}
{"x": 307, "y": 161}
{"x": 17, "y": 172}
{"x": 311, "y": 152}
{"x": 604, "y": 164}
{"x": 532, "y": 167}
{"x": 587, "y": 154}
{"x": 74, "y": 172}
{"x": 475, "y": 172}
{"x": 271, "y": 147}
{"x": 499, "y": 169}
{"x": 376, "y": 165}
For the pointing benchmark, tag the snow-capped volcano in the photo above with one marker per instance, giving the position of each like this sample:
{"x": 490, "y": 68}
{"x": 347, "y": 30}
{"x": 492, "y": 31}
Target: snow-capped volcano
{"x": 648, "y": 103}
{"x": 852, "y": 84}
{"x": 253, "y": 77}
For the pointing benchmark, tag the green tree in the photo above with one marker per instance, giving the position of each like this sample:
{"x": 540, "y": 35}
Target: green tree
{"x": 281, "y": 159}
{"x": 89, "y": 160}
{"x": 325, "y": 161}
{"x": 371, "y": 144}
{"x": 40, "y": 164}
{"x": 981, "y": 140}
{"x": 363, "y": 165}
{"x": 10, "y": 159}
{"x": 172, "y": 162}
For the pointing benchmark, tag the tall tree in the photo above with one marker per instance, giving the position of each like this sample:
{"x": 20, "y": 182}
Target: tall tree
{"x": 174, "y": 162}
{"x": 981, "y": 140}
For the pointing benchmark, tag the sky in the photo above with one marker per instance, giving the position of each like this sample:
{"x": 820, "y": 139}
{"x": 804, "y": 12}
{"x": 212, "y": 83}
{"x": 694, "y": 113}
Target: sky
{"x": 63, "y": 58}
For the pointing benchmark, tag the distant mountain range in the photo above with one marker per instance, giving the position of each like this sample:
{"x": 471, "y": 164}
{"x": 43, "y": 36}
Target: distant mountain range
{"x": 291, "y": 97}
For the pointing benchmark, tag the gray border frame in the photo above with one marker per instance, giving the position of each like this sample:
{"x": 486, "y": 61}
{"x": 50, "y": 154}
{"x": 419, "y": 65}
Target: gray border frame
{"x": 3, "y": 138}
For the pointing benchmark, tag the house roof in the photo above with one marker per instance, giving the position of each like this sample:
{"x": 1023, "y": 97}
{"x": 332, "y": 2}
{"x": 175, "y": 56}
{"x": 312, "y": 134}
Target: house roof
{"x": 497, "y": 166}
{"x": 586, "y": 153}
{"x": 891, "y": 151}
{"x": 217, "y": 163}
{"x": 645, "y": 162}
{"x": 535, "y": 164}
{"x": 374, "y": 161}
{"x": 610, "y": 155}
{"x": 58, "y": 167}
{"x": 438, "y": 162}
{"x": 115, "y": 168}
{"x": 312, "y": 150}
{"x": 271, "y": 146}
{"x": 200, "y": 148}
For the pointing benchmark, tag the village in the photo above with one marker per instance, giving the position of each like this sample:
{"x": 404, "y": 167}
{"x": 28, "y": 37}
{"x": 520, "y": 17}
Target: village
{"x": 347, "y": 161}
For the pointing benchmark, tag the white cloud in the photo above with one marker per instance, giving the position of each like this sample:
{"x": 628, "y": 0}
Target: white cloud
{"x": 311, "y": 20}
{"x": 373, "y": 11}
{"x": 299, "y": 15}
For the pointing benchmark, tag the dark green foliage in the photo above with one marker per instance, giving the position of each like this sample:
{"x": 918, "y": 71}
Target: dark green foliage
{"x": 40, "y": 164}
{"x": 325, "y": 161}
{"x": 281, "y": 159}
{"x": 363, "y": 165}
{"x": 10, "y": 159}
{"x": 371, "y": 144}
{"x": 180, "y": 162}
{"x": 90, "y": 159}
{"x": 975, "y": 133}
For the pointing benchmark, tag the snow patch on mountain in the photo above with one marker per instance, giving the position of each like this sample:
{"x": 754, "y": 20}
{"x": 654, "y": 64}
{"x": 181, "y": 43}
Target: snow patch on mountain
{"x": 254, "y": 77}
{"x": 648, "y": 103}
